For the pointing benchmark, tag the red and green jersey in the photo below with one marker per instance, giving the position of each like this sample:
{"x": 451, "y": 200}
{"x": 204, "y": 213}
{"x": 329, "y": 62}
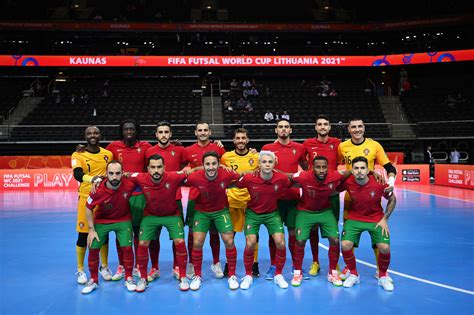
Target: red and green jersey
{"x": 212, "y": 193}
{"x": 328, "y": 149}
{"x": 316, "y": 193}
{"x": 288, "y": 155}
{"x": 172, "y": 155}
{"x": 193, "y": 154}
{"x": 160, "y": 197}
{"x": 132, "y": 158}
{"x": 366, "y": 199}
{"x": 264, "y": 193}
{"x": 112, "y": 204}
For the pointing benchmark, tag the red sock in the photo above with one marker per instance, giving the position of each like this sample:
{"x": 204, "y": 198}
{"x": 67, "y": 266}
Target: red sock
{"x": 383, "y": 262}
{"x": 119, "y": 252}
{"x": 298, "y": 256}
{"x": 135, "y": 247}
{"x": 314, "y": 241}
{"x": 175, "y": 260}
{"x": 272, "y": 248}
{"x": 333, "y": 255}
{"x": 93, "y": 261}
{"x": 280, "y": 259}
{"x": 291, "y": 246}
{"x": 214, "y": 241}
{"x": 248, "y": 261}
{"x": 142, "y": 260}
{"x": 350, "y": 261}
{"x": 128, "y": 261}
{"x": 181, "y": 258}
{"x": 154, "y": 253}
{"x": 197, "y": 261}
{"x": 190, "y": 245}
{"x": 231, "y": 255}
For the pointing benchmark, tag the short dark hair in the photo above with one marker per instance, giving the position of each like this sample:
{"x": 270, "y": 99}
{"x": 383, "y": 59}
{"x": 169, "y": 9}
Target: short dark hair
{"x": 283, "y": 119}
{"x": 320, "y": 158}
{"x": 200, "y": 123}
{"x": 355, "y": 119}
{"x": 131, "y": 121}
{"x": 163, "y": 123}
{"x": 322, "y": 116}
{"x": 155, "y": 157}
{"x": 210, "y": 153}
{"x": 240, "y": 130}
{"x": 114, "y": 162}
{"x": 360, "y": 159}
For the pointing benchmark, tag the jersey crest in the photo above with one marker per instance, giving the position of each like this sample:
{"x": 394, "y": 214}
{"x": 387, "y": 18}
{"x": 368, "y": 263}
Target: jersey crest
{"x": 275, "y": 187}
{"x": 173, "y": 153}
{"x": 106, "y": 158}
{"x": 251, "y": 161}
{"x": 331, "y": 146}
{"x": 167, "y": 185}
{"x": 222, "y": 185}
{"x": 139, "y": 150}
{"x": 294, "y": 151}
{"x": 372, "y": 194}
{"x": 125, "y": 195}
{"x": 366, "y": 151}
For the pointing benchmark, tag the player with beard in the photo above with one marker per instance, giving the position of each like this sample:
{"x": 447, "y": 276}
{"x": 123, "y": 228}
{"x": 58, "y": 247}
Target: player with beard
{"x": 322, "y": 145}
{"x": 173, "y": 156}
{"x": 241, "y": 160}
{"x": 193, "y": 155}
{"x": 359, "y": 145}
{"x": 289, "y": 155}
{"x": 212, "y": 208}
{"x": 87, "y": 167}
{"x": 108, "y": 210}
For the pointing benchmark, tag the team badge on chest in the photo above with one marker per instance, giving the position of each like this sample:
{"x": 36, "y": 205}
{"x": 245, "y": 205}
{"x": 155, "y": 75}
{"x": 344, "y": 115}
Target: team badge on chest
{"x": 366, "y": 151}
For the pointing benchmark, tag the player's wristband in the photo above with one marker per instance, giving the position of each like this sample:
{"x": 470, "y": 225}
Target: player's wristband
{"x": 391, "y": 181}
{"x": 87, "y": 178}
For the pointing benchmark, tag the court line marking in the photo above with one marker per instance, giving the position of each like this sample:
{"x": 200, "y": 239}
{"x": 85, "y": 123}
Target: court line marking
{"x": 436, "y": 195}
{"x": 408, "y": 276}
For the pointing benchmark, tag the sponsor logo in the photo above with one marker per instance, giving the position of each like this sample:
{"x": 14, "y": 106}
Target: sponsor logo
{"x": 248, "y": 227}
{"x": 298, "y": 231}
{"x": 193, "y": 155}
{"x": 196, "y": 223}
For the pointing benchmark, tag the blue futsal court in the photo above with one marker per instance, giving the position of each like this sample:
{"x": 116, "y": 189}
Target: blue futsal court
{"x": 432, "y": 259}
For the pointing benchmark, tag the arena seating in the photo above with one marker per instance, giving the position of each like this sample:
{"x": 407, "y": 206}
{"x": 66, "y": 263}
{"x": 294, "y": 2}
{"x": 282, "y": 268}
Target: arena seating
{"x": 11, "y": 93}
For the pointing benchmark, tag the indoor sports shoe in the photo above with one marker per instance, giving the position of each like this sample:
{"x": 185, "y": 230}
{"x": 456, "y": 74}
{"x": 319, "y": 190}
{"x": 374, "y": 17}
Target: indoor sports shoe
{"x": 190, "y": 271}
{"x": 196, "y": 283}
{"x": 184, "y": 284}
{"x": 136, "y": 273}
{"x": 255, "y": 270}
{"x": 141, "y": 285}
{"x": 130, "y": 284}
{"x": 278, "y": 279}
{"x": 176, "y": 272}
{"x": 304, "y": 274}
{"x": 351, "y": 280}
{"x": 270, "y": 274}
{"x": 106, "y": 273}
{"x": 119, "y": 274}
{"x": 90, "y": 286}
{"x": 314, "y": 269}
{"x": 377, "y": 275}
{"x": 334, "y": 278}
{"x": 246, "y": 282}
{"x": 153, "y": 274}
{"x": 297, "y": 278}
{"x": 217, "y": 270}
{"x": 345, "y": 273}
{"x": 81, "y": 277}
{"x": 233, "y": 282}
{"x": 386, "y": 283}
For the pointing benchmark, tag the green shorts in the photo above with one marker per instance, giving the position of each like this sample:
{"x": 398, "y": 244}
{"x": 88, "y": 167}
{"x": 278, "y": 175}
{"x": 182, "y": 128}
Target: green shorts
{"x": 335, "y": 206}
{"x": 137, "y": 205}
{"x": 287, "y": 209}
{"x": 220, "y": 219}
{"x": 305, "y": 220}
{"x": 271, "y": 220}
{"x": 353, "y": 229}
{"x": 123, "y": 232}
{"x": 151, "y": 224}
{"x": 190, "y": 213}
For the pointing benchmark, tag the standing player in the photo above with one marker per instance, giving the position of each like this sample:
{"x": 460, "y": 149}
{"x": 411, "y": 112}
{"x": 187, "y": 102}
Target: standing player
{"x": 240, "y": 160}
{"x": 193, "y": 155}
{"x": 130, "y": 151}
{"x": 160, "y": 188}
{"x": 264, "y": 190}
{"x": 87, "y": 167}
{"x": 322, "y": 145}
{"x": 112, "y": 214}
{"x": 173, "y": 157}
{"x": 212, "y": 208}
{"x": 358, "y": 145}
{"x": 366, "y": 214}
{"x": 289, "y": 156}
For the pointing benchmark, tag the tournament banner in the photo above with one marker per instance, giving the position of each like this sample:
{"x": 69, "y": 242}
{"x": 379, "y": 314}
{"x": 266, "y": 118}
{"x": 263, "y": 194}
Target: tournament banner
{"x": 236, "y": 61}
{"x": 407, "y": 174}
{"x": 454, "y": 175}
{"x": 35, "y": 161}
{"x": 37, "y": 179}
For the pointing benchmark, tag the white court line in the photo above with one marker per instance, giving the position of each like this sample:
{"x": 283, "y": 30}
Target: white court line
{"x": 410, "y": 277}
{"x": 429, "y": 194}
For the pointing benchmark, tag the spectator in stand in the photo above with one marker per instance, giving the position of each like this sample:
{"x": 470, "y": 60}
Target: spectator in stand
{"x": 253, "y": 91}
{"x": 246, "y": 84}
{"x": 285, "y": 115}
{"x": 233, "y": 85}
{"x": 333, "y": 93}
{"x": 246, "y": 93}
{"x": 267, "y": 92}
{"x": 241, "y": 103}
{"x": 268, "y": 116}
{"x": 303, "y": 83}
{"x": 277, "y": 116}
{"x": 249, "y": 107}
{"x": 454, "y": 156}
{"x": 228, "y": 106}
